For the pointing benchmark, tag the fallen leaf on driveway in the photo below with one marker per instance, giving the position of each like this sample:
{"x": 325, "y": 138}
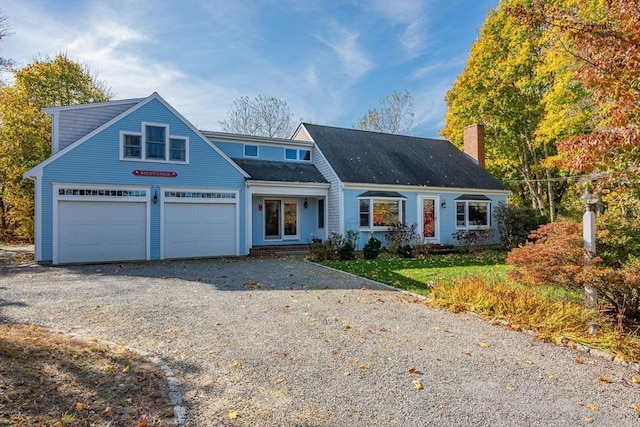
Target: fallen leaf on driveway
{"x": 592, "y": 407}
{"x": 413, "y": 370}
{"x": 485, "y": 345}
{"x": 236, "y": 364}
{"x": 345, "y": 326}
{"x": 605, "y": 379}
{"x": 510, "y": 388}
{"x": 233, "y": 414}
{"x": 588, "y": 420}
{"x": 417, "y": 385}
{"x": 635, "y": 380}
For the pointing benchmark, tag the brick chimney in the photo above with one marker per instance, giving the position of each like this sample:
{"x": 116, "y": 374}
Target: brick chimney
{"x": 474, "y": 142}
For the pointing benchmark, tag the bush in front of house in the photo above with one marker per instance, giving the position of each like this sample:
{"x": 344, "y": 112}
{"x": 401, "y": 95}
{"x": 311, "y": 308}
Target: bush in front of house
{"x": 402, "y": 238}
{"x": 554, "y": 255}
{"x": 515, "y": 223}
{"x": 336, "y": 248}
{"x": 372, "y": 248}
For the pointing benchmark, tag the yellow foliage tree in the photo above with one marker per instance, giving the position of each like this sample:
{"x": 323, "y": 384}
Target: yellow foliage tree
{"x": 25, "y": 131}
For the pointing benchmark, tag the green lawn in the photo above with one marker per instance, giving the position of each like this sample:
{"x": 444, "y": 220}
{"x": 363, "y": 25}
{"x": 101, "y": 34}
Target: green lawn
{"x": 415, "y": 274}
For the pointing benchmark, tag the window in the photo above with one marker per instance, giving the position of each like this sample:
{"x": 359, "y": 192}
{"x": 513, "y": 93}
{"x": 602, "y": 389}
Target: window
{"x": 156, "y": 142}
{"x": 293, "y": 154}
{"x": 177, "y": 149}
{"x": 304, "y": 155}
{"x": 290, "y": 154}
{"x": 251, "y": 151}
{"x": 132, "y": 146}
{"x": 381, "y": 212}
{"x": 320, "y": 213}
{"x": 473, "y": 214}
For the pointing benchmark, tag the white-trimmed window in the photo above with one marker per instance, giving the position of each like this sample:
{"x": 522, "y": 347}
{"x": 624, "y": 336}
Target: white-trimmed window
{"x": 154, "y": 144}
{"x": 473, "y": 212}
{"x": 379, "y": 211}
{"x": 294, "y": 154}
{"x": 132, "y": 146}
{"x": 250, "y": 150}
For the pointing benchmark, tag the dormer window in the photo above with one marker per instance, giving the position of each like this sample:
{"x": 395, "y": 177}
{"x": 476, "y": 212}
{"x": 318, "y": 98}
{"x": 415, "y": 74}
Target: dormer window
{"x": 154, "y": 144}
{"x": 293, "y": 154}
{"x": 250, "y": 150}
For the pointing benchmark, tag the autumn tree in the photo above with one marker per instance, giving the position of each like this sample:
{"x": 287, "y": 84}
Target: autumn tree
{"x": 262, "y": 116}
{"x": 393, "y": 115}
{"x": 25, "y": 134}
{"x": 606, "y": 48}
{"x": 520, "y": 82}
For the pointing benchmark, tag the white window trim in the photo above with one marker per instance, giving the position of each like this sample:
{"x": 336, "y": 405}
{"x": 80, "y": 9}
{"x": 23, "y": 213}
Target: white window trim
{"x": 244, "y": 151}
{"x": 371, "y": 200}
{"x": 143, "y": 145}
{"x": 283, "y": 236}
{"x": 467, "y": 226}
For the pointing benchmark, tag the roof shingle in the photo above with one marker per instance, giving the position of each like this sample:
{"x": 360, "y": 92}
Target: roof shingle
{"x": 365, "y": 157}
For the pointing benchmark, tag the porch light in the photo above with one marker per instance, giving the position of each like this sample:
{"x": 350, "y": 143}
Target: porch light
{"x": 306, "y": 204}
{"x": 443, "y": 205}
{"x": 155, "y": 197}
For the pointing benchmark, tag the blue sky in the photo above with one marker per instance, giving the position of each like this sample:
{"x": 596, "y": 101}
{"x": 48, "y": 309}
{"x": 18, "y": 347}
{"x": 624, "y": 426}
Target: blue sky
{"x": 331, "y": 60}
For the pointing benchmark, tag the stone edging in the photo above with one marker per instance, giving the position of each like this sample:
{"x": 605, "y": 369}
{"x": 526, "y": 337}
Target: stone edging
{"x": 179, "y": 411}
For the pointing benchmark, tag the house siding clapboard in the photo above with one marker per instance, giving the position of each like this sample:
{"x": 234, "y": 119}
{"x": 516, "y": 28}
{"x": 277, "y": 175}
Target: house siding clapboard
{"x": 206, "y": 169}
{"x": 334, "y": 199}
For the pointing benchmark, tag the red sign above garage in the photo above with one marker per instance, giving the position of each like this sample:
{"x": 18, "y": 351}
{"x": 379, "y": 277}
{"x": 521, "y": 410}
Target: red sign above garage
{"x": 164, "y": 174}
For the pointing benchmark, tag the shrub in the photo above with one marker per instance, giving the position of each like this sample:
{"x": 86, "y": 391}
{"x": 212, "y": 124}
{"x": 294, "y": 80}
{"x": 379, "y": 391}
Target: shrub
{"x": 402, "y": 238}
{"x": 515, "y": 223}
{"x": 618, "y": 238}
{"x": 470, "y": 238}
{"x": 555, "y": 256}
{"x": 372, "y": 248}
{"x": 337, "y": 247}
{"x": 317, "y": 250}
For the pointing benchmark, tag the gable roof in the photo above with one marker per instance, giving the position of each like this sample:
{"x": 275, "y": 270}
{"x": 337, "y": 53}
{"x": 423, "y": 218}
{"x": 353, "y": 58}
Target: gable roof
{"x": 265, "y": 170}
{"x": 37, "y": 170}
{"x": 366, "y": 157}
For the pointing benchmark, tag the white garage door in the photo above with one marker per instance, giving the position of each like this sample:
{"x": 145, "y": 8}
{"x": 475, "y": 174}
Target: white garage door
{"x": 101, "y": 231}
{"x": 194, "y": 230}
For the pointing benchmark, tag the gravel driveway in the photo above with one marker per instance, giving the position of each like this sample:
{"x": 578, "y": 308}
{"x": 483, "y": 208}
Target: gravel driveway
{"x": 285, "y": 342}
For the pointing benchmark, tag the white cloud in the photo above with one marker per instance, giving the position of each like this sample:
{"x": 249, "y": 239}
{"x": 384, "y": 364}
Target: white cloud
{"x": 411, "y": 14}
{"x": 344, "y": 44}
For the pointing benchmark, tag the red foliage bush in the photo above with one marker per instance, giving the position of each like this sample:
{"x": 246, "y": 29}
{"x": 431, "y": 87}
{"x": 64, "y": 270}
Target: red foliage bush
{"x": 553, "y": 256}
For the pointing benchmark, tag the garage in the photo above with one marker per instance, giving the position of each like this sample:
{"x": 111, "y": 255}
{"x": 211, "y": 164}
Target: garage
{"x": 101, "y": 231}
{"x": 203, "y": 225}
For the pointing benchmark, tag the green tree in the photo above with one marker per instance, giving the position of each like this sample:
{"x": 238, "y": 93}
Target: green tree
{"x": 25, "y": 133}
{"x": 262, "y": 116}
{"x": 394, "y": 115}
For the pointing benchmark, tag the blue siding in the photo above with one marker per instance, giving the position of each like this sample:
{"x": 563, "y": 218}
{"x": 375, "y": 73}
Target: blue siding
{"x": 447, "y": 216}
{"x": 271, "y": 152}
{"x": 307, "y": 221}
{"x": 97, "y": 161}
